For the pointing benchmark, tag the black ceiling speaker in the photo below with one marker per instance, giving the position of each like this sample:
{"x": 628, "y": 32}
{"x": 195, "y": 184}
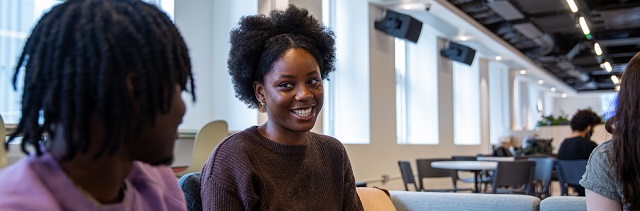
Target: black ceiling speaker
{"x": 400, "y": 25}
{"x": 458, "y": 52}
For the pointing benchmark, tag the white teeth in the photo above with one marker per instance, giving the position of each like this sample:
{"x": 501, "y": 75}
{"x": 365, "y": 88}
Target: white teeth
{"x": 303, "y": 112}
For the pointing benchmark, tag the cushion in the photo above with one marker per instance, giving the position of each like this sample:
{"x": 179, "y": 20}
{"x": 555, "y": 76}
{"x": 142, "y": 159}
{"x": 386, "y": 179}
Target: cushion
{"x": 563, "y": 203}
{"x": 375, "y": 199}
{"x": 190, "y": 184}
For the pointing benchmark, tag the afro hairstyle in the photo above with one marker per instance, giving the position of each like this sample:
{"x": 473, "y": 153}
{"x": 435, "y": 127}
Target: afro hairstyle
{"x": 259, "y": 41}
{"x": 583, "y": 118}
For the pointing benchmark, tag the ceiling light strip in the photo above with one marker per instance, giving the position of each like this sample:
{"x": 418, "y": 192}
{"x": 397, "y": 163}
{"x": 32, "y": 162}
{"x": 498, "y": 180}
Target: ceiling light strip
{"x": 597, "y": 48}
{"x": 573, "y": 6}
{"x": 583, "y": 25}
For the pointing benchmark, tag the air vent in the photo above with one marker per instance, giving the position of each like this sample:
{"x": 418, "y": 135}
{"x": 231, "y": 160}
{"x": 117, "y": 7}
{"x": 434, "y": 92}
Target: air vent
{"x": 505, "y": 9}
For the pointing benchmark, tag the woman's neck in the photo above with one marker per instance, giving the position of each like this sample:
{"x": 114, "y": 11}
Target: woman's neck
{"x": 282, "y": 135}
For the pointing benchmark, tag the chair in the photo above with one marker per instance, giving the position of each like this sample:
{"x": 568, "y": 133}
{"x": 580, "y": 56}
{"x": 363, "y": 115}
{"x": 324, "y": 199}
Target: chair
{"x": 426, "y": 171}
{"x": 208, "y": 137}
{"x": 484, "y": 178}
{"x": 190, "y": 185}
{"x": 514, "y": 174}
{"x": 407, "y": 175}
{"x": 569, "y": 174}
{"x": 542, "y": 176}
{"x": 3, "y": 137}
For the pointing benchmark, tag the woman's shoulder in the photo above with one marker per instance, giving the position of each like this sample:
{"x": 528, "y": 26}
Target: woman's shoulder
{"x": 603, "y": 151}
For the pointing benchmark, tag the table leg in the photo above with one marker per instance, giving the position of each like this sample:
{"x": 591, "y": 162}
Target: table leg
{"x": 475, "y": 182}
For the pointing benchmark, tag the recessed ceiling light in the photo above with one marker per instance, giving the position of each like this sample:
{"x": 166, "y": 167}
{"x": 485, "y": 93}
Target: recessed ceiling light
{"x": 522, "y": 72}
{"x": 498, "y": 58}
{"x": 540, "y": 82}
{"x": 553, "y": 89}
{"x": 413, "y": 6}
{"x": 564, "y": 95}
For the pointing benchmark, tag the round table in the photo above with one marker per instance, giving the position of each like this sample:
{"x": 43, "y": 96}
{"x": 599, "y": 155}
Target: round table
{"x": 473, "y": 166}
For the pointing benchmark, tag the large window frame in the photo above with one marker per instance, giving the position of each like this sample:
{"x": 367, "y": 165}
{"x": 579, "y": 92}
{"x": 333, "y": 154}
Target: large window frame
{"x": 17, "y": 18}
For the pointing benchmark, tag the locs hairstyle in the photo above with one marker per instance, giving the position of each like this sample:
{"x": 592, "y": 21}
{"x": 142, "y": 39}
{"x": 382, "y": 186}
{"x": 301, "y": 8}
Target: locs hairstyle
{"x": 625, "y": 127}
{"x": 75, "y": 65}
{"x": 260, "y": 40}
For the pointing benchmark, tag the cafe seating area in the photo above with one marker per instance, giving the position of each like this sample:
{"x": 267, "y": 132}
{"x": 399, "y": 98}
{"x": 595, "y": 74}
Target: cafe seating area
{"x": 538, "y": 176}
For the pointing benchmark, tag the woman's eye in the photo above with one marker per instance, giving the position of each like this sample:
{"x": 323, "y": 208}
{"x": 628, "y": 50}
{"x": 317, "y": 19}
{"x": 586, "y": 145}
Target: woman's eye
{"x": 315, "y": 81}
{"x": 285, "y": 85}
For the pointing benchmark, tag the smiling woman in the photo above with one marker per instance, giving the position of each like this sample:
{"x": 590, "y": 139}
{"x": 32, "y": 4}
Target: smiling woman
{"x": 280, "y": 165}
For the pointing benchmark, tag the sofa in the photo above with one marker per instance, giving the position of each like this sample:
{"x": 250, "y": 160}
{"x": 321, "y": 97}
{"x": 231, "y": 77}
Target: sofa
{"x": 407, "y": 200}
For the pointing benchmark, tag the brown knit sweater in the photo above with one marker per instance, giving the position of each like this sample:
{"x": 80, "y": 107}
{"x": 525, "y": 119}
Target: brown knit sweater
{"x": 249, "y": 172}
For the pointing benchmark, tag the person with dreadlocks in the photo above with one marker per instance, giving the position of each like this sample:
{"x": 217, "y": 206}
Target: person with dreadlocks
{"x": 277, "y": 65}
{"x": 107, "y": 77}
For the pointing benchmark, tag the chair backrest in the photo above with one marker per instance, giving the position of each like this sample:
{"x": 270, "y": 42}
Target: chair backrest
{"x": 543, "y": 173}
{"x": 495, "y": 158}
{"x": 464, "y": 158}
{"x": 407, "y": 174}
{"x": 207, "y": 138}
{"x": 190, "y": 185}
{"x": 426, "y": 171}
{"x": 3, "y": 137}
{"x": 514, "y": 173}
{"x": 570, "y": 172}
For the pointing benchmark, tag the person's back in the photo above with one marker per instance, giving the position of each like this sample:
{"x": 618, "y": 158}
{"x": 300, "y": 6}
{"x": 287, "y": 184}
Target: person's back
{"x": 101, "y": 105}
{"x": 578, "y": 145}
{"x": 576, "y": 148}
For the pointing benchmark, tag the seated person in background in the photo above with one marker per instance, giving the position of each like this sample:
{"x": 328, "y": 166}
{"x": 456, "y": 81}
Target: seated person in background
{"x": 612, "y": 178}
{"x": 505, "y": 148}
{"x": 107, "y": 78}
{"x": 578, "y": 145}
{"x": 277, "y": 64}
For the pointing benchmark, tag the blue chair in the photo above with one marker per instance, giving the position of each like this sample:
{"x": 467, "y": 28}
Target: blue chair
{"x": 190, "y": 185}
{"x": 569, "y": 174}
{"x": 543, "y": 175}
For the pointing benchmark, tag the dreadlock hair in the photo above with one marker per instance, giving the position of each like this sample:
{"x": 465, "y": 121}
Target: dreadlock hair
{"x": 260, "y": 40}
{"x": 624, "y": 125}
{"x": 75, "y": 65}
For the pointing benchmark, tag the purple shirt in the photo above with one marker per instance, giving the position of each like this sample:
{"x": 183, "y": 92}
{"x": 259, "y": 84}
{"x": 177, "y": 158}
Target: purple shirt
{"x": 39, "y": 183}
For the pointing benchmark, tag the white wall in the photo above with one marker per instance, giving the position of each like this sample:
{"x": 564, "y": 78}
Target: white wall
{"x": 205, "y": 26}
{"x": 572, "y": 104}
{"x": 380, "y": 157}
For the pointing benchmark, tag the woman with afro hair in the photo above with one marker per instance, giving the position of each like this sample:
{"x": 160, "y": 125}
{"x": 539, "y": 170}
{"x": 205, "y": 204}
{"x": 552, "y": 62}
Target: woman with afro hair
{"x": 277, "y": 64}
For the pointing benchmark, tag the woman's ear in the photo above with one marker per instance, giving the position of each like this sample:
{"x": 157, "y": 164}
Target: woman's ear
{"x": 258, "y": 89}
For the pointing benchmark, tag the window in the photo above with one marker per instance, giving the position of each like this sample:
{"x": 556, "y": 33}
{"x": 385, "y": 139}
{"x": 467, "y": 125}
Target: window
{"x": 349, "y": 122}
{"x": 466, "y": 104}
{"x": 417, "y": 90}
{"x": 17, "y": 18}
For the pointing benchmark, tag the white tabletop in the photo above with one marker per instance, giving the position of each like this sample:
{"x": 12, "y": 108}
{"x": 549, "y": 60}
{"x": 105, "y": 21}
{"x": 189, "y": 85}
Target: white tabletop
{"x": 465, "y": 165}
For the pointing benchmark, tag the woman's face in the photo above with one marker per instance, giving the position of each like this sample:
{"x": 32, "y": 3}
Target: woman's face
{"x": 292, "y": 91}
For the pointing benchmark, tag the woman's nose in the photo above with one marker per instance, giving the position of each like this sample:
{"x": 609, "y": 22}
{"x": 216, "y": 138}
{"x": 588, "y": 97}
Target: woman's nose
{"x": 304, "y": 94}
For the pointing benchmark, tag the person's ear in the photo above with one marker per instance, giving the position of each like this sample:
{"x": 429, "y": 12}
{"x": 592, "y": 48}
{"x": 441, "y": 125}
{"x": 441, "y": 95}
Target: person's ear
{"x": 131, "y": 89}
{"x": 258, "y": 89}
